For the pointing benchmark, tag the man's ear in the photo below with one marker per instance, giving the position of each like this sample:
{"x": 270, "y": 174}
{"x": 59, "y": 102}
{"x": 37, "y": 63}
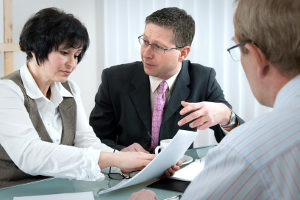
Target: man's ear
{"x": 263, "y": 64}
{"x": 184, "y": 52}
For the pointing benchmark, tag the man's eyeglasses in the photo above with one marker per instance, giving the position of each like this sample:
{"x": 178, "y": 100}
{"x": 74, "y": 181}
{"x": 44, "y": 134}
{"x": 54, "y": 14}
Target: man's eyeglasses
{"x": 120, "y": 176}
{"x": 156, "y": 48}
{"x": 235, "y": 52}
{"x": 117, "y": 176}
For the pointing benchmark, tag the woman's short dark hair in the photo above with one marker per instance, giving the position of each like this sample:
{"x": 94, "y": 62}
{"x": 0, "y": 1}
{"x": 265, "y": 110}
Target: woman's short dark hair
{"x": 48, "y": 29}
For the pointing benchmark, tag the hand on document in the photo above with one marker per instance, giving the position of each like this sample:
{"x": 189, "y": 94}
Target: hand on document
{"x": 135, "y": 147}
{"x": 130, "y": 161}
{"x": 189, "y": 172}
{"x": 170, "y": 171}
{"x": 170, "y": 155}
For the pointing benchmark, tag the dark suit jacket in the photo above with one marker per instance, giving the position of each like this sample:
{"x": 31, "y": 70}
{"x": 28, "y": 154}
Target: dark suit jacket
{"x": 122, "y": 113}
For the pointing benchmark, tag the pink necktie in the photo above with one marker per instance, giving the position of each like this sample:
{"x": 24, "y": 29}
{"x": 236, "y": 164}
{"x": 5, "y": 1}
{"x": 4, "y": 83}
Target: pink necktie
{"x": 158, "y": 111}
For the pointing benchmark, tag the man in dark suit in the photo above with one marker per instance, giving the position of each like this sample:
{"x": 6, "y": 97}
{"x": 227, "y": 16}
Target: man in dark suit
{"x": 126, "y": 99}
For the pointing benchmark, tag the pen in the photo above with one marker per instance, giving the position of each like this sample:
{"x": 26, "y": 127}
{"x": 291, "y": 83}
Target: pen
{"x": 174, "y": 197}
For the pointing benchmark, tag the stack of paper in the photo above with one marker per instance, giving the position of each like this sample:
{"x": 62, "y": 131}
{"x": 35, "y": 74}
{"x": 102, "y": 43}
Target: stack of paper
{"x": 165, "y": 159}
{"x": 189, "y": 172}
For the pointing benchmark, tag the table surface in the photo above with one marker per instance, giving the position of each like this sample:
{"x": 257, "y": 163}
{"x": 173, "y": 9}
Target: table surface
{"x": 57, "y": 185}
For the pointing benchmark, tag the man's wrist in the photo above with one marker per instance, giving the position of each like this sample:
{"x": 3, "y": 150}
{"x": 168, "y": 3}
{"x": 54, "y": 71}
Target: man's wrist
{"x": 232, "y": 121}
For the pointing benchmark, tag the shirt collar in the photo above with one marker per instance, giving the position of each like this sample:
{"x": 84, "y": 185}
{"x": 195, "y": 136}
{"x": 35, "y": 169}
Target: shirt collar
{"x": 33, "y": 91}
{"x": 287, "y": 94}
{"x": 154, "y": 82}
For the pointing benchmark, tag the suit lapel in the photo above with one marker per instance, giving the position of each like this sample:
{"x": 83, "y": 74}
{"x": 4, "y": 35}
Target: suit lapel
{"x": 180, "y": 92}
{"x": 140, "y": 96}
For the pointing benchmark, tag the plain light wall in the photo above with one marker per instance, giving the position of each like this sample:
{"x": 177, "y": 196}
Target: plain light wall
{"x": 87, "y": 74}
{"x": 113, "y": 27}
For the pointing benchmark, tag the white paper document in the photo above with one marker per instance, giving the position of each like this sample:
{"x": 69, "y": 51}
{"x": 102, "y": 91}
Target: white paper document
{"x": 64, "y": 196}
{"x": 165, "y": 159}
{"x": 189, "y": 172}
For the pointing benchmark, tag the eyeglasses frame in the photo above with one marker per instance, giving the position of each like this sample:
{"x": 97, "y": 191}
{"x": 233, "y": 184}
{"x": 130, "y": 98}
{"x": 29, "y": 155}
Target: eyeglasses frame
{"x": 124, "y": 176}
{"x": 239, "y": 45}
{"x": 162, "y": 48}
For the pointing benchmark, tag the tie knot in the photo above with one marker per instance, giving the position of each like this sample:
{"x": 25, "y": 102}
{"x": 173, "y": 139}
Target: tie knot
{"x": 163, "y": 86}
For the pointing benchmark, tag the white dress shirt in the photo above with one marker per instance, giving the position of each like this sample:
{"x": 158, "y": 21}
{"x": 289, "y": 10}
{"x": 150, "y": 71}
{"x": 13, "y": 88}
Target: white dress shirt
{"x": 259, "y": 159}
{"x": 23, "y": 144}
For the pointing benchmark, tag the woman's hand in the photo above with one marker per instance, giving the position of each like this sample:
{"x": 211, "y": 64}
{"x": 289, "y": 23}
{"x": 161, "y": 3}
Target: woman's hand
{"x": 126, "y": 161}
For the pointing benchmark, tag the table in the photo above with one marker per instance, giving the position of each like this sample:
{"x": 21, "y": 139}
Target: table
{"x": 57, "y": 185}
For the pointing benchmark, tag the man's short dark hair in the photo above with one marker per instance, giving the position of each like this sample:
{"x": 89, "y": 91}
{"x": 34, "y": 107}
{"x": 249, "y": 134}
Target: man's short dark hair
{"x": 182, "y": 24}
{"x": 48, "y": 29}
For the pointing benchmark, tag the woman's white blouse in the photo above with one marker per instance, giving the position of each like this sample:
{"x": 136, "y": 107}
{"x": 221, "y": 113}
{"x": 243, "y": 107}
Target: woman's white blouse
{"x": 23, "y": 144}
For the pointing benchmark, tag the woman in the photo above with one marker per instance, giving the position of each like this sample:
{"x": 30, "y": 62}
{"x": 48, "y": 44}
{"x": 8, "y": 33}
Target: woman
{"x": 44, "y": 131}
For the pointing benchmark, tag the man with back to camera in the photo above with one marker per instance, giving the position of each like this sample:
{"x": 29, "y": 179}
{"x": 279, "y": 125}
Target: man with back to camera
{"x": 260, "y": 159}
{"x": 160, "y": 86}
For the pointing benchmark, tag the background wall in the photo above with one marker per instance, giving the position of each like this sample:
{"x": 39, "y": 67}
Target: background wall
{"x": 114, "y": 26}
